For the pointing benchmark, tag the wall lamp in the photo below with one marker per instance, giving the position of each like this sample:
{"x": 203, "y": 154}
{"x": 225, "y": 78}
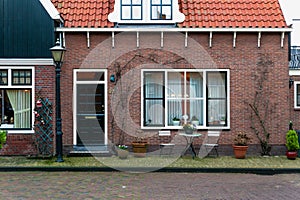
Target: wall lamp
{"x": 112, "y": 78}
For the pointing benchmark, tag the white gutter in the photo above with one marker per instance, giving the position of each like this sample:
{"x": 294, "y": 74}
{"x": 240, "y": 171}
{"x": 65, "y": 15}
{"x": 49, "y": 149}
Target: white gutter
{"x": 64, "y": 29}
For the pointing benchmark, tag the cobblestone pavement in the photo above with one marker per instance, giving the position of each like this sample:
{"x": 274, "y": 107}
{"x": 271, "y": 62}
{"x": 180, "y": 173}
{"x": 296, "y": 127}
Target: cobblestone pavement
{"x": 121, "y": 185}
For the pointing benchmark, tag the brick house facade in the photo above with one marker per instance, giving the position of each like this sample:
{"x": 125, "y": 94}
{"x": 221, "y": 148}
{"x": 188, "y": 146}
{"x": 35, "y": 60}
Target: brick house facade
{"x": 105, "y": 96}
{"x": 241, "y": 47}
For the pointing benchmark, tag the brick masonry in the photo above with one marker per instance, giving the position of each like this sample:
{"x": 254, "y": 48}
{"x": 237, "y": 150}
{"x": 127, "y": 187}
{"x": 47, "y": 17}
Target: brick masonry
{"x": 241, "y": 61}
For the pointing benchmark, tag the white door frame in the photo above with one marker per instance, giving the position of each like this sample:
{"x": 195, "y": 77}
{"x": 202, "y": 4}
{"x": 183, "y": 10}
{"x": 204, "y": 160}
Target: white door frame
{"x": 75, "y": 82}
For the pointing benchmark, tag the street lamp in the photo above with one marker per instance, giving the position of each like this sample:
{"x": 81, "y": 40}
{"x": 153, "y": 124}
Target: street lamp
{"x": 58, "y": 53}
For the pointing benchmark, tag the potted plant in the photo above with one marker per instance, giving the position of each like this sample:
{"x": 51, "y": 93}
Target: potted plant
{"x": 176, "y": 121}
{"x": 195, "y": 120}
{"x": 292, "y": 143}
{"x": 122, "y": 151}
{"x": 3, "y": 134}
{"x": 240, "y": 145}
{"x": 189, "y": 128}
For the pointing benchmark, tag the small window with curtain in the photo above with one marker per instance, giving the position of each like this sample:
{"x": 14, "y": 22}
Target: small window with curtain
{"x": 16, "y": 98}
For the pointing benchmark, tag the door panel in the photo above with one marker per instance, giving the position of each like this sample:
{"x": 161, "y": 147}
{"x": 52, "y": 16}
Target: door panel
{"x": 90, "y": 114}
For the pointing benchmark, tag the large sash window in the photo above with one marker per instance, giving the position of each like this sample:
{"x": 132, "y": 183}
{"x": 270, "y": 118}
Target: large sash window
{"x": 198, "y": 96}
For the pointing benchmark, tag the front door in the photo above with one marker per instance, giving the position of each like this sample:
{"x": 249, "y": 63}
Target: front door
{"x": 90, "y": 117}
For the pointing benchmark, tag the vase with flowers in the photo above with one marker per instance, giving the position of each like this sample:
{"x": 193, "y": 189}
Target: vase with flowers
{"x": 122, "y": 151}
{"x": 189, "y": 128}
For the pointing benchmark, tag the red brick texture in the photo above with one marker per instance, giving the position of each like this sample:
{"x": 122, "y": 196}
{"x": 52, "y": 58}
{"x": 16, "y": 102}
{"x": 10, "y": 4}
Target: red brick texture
{"x": 241, "y": 61}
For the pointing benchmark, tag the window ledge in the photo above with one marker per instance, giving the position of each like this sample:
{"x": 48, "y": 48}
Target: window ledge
{"x": 20, "y": 131}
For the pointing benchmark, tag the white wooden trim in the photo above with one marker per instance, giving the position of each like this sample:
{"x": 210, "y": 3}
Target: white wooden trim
{"x": 258, "y": 39}
{"x": 294, "y": 72}
{"x": 24, "y": 62}
{"x": 75, "y": 82}
{"x": 234, "y": 39}
{"x": 204, "y": 71}
{"x": 50, "y": 8}
{"x": 295, "y": 94}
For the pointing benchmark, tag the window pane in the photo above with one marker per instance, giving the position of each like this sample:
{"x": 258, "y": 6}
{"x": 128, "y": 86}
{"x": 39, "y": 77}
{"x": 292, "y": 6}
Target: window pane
{"x": 175, "y": 85}
{"x": 126, "y": 12}
{"x": 216, "y": 85}
{"x": 126, "y": 2}
{"x": 195, "y": 111}
{"x": 155, "y": 1}
{"x": 90, "y": 76}
{"x": 15, "y": 108}
{"x": 154, "y": 113}
{"x": 216, "y": 112}
{"x": 166, "y": 1}
{"x": 298, "y": 94}
{"x": 154, "y": 83}
{"x": 155, "y": 12}
{"x": 137, "y": 2}
{"x": 137, "y": 12}
{"x": 175, "y": 109}
{"x": 194, "y": 84}
{"x": 166, "y": 12}
{"x": 3, "y": 77}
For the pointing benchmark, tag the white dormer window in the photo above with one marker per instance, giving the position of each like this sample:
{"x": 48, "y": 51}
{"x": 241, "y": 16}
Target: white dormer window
{"x": 146, "y": 12}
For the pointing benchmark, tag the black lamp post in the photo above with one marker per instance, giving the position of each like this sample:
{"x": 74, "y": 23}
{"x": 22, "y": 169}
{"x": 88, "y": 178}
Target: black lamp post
{"x": 58, "y": 53}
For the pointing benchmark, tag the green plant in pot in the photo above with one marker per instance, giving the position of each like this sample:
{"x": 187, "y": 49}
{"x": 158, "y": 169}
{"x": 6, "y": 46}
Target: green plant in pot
{"x": 176, "y": 121}
{"x": 292, "y": 143}
{"x": 3, "y": 134}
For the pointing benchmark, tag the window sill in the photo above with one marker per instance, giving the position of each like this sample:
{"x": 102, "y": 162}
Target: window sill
{"x": 20, "y": 131}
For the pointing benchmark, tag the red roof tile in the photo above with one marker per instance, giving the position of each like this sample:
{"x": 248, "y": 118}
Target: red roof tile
{"x": 199, "y": 13}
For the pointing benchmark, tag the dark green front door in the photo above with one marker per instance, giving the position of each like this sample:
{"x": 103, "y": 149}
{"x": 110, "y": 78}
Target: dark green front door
{"x": 90, "y": 114}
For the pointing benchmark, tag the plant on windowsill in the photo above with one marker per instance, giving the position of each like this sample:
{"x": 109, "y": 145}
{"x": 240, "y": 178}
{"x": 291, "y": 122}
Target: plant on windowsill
{"x": 3, "y": 135}
{"x": 292, "y": 143}
{"x": 195, "y": 120}
{"x": 240, "y": 145}
{"x": 176, "y": 121}
{"x": 122, "y": 151}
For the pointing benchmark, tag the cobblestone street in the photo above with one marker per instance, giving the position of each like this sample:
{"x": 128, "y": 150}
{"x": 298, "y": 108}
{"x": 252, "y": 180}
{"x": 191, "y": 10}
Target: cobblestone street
{"x": 120, "y": 185}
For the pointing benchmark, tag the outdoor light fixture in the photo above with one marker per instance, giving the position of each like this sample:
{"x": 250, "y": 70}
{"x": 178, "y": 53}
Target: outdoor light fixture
{"x": 291, "y": 82}
{"x": 112, "y": 78}
{"x": 58, "y": 53}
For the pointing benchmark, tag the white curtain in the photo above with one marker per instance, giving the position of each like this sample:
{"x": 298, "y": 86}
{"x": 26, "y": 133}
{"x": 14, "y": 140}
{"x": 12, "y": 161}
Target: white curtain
{"x": 20, "y": 102}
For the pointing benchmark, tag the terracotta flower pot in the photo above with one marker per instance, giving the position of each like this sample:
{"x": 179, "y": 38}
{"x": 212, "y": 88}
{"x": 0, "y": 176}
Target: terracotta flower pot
{"x": 240, "y": 151}
{"x": 139, "y": 149}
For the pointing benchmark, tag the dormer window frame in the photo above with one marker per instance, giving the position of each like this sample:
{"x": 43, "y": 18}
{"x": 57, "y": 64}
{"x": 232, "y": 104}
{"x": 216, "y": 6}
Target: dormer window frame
{"x": 131, "y": 4}
{"x": 162, "y": 4}
{"x": 147, "y": 17}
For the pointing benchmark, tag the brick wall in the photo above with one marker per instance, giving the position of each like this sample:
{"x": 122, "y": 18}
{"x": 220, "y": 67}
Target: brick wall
{"x": 241, "y": 61}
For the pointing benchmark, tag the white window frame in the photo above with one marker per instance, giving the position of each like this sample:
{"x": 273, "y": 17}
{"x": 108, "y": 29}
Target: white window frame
{"x": 296, "y": 84}
{"x": 75, "y": 82}
{"x": 177, "y": 16}
{"x": 31, "y": 87}
{"x": 204, "y": 72}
